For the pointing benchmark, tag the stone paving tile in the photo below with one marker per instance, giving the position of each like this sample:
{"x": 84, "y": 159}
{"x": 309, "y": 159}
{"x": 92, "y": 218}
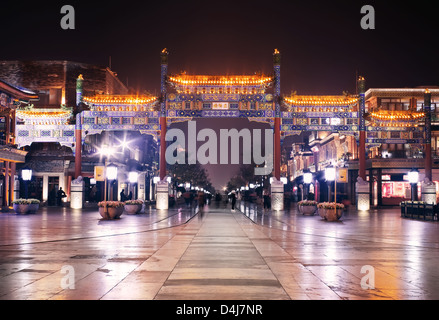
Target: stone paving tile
{"x": 221, "y": 255}
{"x": 203, "y": 291}
{"x": 297, "y": 281}
{"x": 146, "y": 284}
{"x": 337, "y": 263}
{"x": 241, "y": 266}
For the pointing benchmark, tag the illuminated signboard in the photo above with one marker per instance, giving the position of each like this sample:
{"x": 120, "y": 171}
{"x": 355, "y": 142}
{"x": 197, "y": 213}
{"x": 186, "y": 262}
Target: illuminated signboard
{"x": 220, "y": 105}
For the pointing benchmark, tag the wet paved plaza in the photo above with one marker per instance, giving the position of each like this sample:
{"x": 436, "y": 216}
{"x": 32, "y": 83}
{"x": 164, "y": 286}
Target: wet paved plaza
{"x": 61, "y": 253}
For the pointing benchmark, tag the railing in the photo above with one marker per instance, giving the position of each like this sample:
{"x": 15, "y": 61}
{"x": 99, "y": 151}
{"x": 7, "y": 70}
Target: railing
{"x": 418, "y": 209}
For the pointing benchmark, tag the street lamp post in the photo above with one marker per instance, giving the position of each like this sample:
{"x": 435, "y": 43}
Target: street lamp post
{"x": 106, "y": 152}
{"x": 26, "y": 174}
{"x": 132, "y": 177}
{"x": 107, "y": 173}
{"x": 413, "y": 177}
{"x": 307, "y": 180}
{"x": 330, "y": 172}
{"x": 111, "y": 173}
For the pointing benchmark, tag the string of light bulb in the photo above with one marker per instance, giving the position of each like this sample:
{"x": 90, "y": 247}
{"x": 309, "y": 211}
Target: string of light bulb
{"x": 396, "y": 115}
{"x": 321, "y": 100}
{"x": 110, "y": 99}
{"x": 43, "y": 113}
{"x": 200, "y": 80}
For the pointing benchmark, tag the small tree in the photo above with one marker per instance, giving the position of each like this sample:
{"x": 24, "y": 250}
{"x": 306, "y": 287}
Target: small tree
{"x": 193, "y": 173}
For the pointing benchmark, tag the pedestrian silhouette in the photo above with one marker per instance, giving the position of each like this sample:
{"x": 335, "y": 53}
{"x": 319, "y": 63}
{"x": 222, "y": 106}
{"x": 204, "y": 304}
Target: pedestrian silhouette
{"x": 59, "y": 195}
{"x": 233, "y": 198}
{"x": 123, "y": 196}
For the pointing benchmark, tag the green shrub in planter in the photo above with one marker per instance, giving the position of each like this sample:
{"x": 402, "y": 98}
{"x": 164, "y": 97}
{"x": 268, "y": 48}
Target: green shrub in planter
{"x": 26, "y": 201}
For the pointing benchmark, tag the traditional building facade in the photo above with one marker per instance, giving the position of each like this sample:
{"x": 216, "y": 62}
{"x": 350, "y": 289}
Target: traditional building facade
{"x": 46, "y": 129}
{"x": 396, "y": 135}
{"x": 11, "y": 97}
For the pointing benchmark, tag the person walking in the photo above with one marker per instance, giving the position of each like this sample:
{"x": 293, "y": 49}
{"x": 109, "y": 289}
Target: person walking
{"x": 92, "y": 195}
{"x": 217, "y": 199}
{"x": 266, "y": 199}
{"x": 123, "y": 196}
{"x": 187, "y": 198}
{"x": 233, "y": 200}
{"x": 201, "y": 201}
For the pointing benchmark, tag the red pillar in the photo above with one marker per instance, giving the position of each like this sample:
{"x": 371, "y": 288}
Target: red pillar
{"x": 6, "y": 185}
{"x": 69, "y": 186}
{"x": 362, "y": 137}
{"x": 78, "y": 156}
{"x": 427, "y": 142}
{"x": 162, "y": 148}
{"x": 277, "y": 119}
{"x": 164, "y": 74}
{"x": 428, "y": 169}
{"x": 277, "y": 158}
{"x": 78, "y": 128}
{"x": 362, "y": 156}
{"x": 12, "y": 182}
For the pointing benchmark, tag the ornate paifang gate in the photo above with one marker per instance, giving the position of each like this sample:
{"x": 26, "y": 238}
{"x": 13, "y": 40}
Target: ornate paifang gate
{"x": 207, "y": 96}
{"x": 255, "y": 97}
{"x": 203, "y": 96}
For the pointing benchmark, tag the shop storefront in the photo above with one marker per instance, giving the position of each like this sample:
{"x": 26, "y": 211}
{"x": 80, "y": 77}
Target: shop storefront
{"x": 391, "y": 186}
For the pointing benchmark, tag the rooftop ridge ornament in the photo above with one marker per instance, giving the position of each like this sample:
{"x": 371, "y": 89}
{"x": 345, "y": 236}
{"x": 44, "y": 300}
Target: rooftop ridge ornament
{"x": 276, "y": 57}
{"x": 164, "y": 56}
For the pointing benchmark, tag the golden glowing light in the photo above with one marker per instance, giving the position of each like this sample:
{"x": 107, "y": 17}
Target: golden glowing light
{"x": 120, "y": 99}
{"x": 297, "y": 100}
{"x": 205, "y": 80}
{"x": 386, "y": 115}
{"x": 43, "y": 114}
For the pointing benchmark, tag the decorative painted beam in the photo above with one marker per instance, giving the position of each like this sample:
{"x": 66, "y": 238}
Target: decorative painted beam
{"x": 316, "y": 114}
{"x": 403, "y": 141}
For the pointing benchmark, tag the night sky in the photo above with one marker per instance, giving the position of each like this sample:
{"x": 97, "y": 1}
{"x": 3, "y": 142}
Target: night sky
{"x": 322, "y": 44}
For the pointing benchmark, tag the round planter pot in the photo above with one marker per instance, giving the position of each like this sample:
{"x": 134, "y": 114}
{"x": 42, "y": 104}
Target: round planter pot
{"x": 33, "y": 207}
{"x": 308, "y": 210}
{"x": 133, "y": 208}
{"x": 333, "y": 215}
{"x": 112, "y": 213}
{"x": 322, "y": 213}
{"x": 21, "y": 208}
